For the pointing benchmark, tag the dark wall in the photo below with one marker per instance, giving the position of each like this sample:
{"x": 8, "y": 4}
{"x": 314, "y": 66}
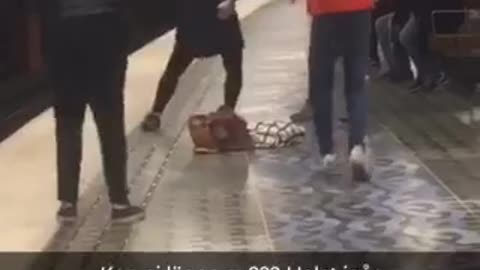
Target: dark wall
{"x": 12, "y": 38}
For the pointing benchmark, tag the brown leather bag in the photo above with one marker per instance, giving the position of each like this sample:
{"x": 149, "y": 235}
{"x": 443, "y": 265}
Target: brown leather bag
{"x": 220, "y": 131}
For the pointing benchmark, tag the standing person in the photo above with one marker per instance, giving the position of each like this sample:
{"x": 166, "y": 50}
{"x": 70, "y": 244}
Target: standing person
{"x": 340, "y": 28}
{"x": 204, "y": 29}
{"x": 87, "y": 59}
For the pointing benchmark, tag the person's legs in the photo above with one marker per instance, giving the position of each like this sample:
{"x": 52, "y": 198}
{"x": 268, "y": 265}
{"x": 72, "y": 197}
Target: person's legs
{"x": 397, "y": 61}
{"x": 69, "y": 109}
{"x": 65, "y": 70}
{"x": 401, "y": 62}
{"x": 355, "y": 69}
{"x": 232, "y": 62}
{"x": 177, "y": 64}
{"x": 383, "y": 30}
{"x": 107, "y": 75}
{"x": 355, "y": 29}
{"x": 321, "y": 73}
{"x": 107, "y": 104}
{"x": 409, "y": 38}
{"x": 179, "y": 61}
{"x": 92, "y": 65}
{"x": 374, "y": 42}
{"x": 305, "y": 113}
{"x": 434, "y": 76}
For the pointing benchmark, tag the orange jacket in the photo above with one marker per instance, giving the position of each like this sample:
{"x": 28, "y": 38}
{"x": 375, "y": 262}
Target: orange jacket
{"x": 319, "y": 7}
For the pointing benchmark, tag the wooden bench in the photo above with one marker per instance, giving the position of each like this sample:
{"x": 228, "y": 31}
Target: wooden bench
{"x": 460, "y": 51}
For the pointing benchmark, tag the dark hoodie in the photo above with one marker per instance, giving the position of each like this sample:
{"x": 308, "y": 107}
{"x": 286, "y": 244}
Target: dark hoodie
{"x": 202, "y": 32}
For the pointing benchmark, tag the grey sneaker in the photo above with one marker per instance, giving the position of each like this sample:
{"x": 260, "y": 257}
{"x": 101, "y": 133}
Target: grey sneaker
{"x": 152, "y": 122}
{"x": 303, "y": 115}
{"x": 326, "y": 162}
{"x": 359, "y": 161}
{"x": 67, "y": 213}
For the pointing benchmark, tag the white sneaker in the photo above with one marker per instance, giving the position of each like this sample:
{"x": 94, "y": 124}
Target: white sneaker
{"x": 359, "y": 161}
{"x": 325, "y": 163}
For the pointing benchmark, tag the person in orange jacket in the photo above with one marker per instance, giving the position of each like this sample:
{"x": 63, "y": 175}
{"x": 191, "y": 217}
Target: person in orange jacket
{"x": 340, "y": 28}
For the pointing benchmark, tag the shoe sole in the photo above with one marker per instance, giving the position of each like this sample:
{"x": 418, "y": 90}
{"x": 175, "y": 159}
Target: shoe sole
{"x": 300, "y": 119}
{"x": 66, "y": 219}
{"x": 148, "y": 128}
{"x": 204, "y": 151}
{"x": 359, "y": 173}
{"x": 129, "y": 219}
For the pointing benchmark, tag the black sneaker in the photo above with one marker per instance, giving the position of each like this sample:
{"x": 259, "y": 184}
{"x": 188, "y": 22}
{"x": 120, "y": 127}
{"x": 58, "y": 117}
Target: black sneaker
{"x": 67, "y": 213}
{"x": 127, "y": 214}
{"x": 152, "y": 122}
{"x": 440, "y": 82}
{"x": 396, "y": 77}
{"x": 303, "y": 115}
{"x": 416, "y": 85}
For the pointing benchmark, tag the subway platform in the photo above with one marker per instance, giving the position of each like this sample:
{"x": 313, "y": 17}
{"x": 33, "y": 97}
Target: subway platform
{"x": 266, "y": 201}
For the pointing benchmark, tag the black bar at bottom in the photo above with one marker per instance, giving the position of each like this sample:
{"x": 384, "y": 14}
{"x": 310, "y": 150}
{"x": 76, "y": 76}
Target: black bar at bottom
{"x": 240, "y": 261}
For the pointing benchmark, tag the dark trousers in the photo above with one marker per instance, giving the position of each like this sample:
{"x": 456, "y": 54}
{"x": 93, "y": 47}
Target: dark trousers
{"x": 179, "y": 61}
{"x": 87, "y": 64}
{"x": 374, "y": 43}
{"x": 379, "y": 11}
{"x": 343, "y": 35}
{"x": 395, "y": 55}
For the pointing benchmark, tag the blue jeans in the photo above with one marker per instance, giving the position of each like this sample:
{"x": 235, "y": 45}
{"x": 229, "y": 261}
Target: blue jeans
{"x": 345, "y": 35}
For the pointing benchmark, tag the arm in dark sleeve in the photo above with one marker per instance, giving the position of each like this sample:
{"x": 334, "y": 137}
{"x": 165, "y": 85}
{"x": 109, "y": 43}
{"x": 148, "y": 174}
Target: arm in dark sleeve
{"x": 402, "y": 11}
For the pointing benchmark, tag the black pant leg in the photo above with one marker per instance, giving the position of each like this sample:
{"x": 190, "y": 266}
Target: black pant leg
{"x": 108, "y": 109}
{"x": 107, "y": 103}
{"x": 233, "y": 61}
{"x": 178, "y": 63}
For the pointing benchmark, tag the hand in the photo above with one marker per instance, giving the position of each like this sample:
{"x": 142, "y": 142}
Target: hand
{"x": 226, "y": 9}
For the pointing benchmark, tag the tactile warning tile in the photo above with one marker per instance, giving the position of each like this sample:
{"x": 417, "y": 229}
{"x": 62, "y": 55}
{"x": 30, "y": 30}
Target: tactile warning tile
{"x": 203, "y": 203}
{"x": 404, "y": 208}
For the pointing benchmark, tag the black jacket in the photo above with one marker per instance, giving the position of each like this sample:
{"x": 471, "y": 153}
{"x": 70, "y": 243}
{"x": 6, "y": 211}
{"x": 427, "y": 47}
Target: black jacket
{"x": 202, "y": 32}
{"x": 402, "y": 11}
